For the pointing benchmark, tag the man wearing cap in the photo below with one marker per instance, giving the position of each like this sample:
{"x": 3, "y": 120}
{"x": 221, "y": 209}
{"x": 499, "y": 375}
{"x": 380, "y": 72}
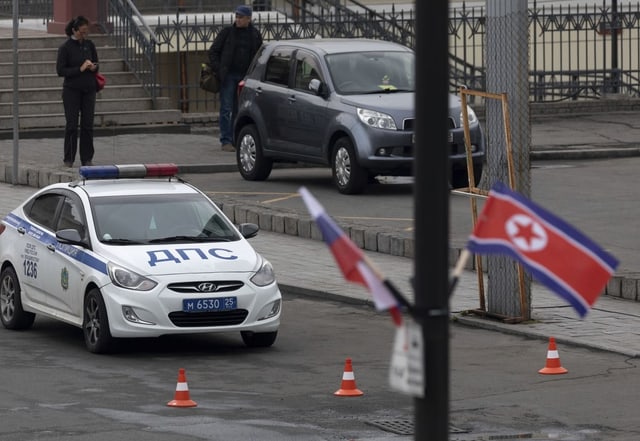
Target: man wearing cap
{"x": 230, "y": 56}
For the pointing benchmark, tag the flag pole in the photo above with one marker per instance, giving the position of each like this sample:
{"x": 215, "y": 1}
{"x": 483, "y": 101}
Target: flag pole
{"x": 400, "y": 298}
{"x": 394, "y": 290}
{"x": 457, "y": 271}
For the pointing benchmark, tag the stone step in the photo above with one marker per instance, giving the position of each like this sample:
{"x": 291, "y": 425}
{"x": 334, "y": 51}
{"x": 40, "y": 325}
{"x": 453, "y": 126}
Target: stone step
{"x": 34, "y": 67}
{"x": 102, "y": 119}
{"x": 51, "y": 54}
{"x": 102, "y": 105}
{"x": 52, "y": 80}
{"x": 123, "y": 102}
{"x": 26, "y": 95}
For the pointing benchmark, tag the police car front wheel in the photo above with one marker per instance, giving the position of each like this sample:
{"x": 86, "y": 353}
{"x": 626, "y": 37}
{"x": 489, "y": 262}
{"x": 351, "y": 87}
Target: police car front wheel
{"x": 95, "y": 324}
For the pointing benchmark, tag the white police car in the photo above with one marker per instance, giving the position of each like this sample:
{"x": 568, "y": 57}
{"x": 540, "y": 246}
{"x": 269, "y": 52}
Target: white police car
{"x": 122, "y": 256}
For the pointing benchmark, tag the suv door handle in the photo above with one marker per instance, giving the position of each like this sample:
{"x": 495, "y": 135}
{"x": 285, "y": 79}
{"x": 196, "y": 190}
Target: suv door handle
{"x": 292, "y": 99}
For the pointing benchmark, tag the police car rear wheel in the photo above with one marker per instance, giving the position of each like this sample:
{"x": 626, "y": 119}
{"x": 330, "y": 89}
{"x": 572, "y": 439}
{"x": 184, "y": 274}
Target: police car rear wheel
{"x": 11, "y": 312}
{"x": 258, "y": 339}
{"x": 95, "y": 324}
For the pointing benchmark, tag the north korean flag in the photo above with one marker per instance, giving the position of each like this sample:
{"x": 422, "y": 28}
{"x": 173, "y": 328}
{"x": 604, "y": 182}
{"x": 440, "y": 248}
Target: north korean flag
{"x": 554, "y": 252}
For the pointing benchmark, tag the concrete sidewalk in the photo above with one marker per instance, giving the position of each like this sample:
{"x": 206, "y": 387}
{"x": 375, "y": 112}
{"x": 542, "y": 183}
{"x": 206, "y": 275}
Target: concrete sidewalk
{"x": 613, "y": 325}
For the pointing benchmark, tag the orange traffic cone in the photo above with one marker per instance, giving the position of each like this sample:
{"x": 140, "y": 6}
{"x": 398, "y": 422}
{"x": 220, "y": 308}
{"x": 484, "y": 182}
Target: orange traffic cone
{"x": 182, "y": 392}
{"x": 348, "y": 386}
{"x": 553, "y": 360}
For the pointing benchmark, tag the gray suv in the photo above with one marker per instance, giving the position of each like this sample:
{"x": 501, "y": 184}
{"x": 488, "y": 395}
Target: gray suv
{"x": 344, "y": 103}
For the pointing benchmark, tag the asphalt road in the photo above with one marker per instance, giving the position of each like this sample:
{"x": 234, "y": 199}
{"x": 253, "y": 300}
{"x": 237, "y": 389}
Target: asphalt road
{"x": 53, "y": 389}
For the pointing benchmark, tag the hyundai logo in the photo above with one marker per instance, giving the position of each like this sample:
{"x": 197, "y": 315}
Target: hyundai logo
{"x": 207, "y": 287}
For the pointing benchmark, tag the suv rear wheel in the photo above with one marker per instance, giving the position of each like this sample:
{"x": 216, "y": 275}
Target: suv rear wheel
{"x": 348, "y": 175}
{"x": 252, "y": 164}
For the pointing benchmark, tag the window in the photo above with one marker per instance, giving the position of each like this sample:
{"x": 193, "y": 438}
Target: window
{"x": 144, "y": 218}
{"x": 71, "y": 217}
{"x": 278, "y": 68}
{"x": 306, "y": 70}
{"x": 371, "y": 71}
{"x": 43, "y": 209}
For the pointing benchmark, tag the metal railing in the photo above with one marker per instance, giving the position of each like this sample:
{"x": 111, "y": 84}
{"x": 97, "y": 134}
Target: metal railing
{"x": 136, "y": 42}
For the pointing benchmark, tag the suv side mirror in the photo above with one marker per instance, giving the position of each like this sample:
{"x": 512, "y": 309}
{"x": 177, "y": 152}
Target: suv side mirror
{"x": 318, "y": 87}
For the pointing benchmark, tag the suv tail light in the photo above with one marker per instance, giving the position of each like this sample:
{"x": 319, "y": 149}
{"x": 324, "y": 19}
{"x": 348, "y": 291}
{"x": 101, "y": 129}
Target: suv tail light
{"x": 240, "y": 86}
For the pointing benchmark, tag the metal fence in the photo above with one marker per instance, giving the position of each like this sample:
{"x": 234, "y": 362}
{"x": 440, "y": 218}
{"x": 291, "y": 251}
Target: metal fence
{"x": 576, "y": 51}
{"x": 41, "y": 9}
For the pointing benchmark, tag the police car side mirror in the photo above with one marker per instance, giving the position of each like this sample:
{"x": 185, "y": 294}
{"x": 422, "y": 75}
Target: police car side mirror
{"x": 70, "y": 236}
{"x": 248, "y": 230}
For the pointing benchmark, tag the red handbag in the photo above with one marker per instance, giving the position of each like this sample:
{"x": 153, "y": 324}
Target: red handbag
{"x": 100, "y": 81}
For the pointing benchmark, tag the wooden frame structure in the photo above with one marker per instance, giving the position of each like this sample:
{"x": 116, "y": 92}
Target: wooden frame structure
{"x": 474, "y": 192}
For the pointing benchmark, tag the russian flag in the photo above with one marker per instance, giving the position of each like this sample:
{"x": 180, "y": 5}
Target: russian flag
{"x": 554, "y": 252}
{"x": 350, "y": 258}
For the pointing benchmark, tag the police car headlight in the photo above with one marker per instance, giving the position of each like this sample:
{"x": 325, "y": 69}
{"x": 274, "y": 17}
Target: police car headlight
{"x": 375, "y": 119}
{"x": 265, "y": 275}
{"x": 128, "y": 279}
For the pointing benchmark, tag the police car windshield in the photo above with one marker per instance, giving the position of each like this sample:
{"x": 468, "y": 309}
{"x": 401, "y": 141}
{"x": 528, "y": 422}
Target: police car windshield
{"x": 140, "y": 219}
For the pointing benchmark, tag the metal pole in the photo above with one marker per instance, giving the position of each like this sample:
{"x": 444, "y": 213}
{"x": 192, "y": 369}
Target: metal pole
{"x": 432, "y": 232}
{"x": 615, "y": 25}
{"x": 16, "y": 98}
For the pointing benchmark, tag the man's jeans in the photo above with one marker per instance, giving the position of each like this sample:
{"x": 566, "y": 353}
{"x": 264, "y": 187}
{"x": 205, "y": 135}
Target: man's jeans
{"x": 228, "y": 103}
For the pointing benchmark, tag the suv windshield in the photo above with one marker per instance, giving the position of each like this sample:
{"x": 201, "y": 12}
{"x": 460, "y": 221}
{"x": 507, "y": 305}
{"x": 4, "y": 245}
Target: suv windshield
{"x": 372, "y": 72}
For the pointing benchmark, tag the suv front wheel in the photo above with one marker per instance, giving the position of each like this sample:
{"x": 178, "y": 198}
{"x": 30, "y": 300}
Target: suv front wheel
{"x": 252, "y": 164}
{"x": 348, "y": 175}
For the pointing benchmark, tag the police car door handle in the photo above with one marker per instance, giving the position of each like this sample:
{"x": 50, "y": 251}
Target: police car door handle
{"x": 51, "y": 247}
{"x": 21, "y": 230}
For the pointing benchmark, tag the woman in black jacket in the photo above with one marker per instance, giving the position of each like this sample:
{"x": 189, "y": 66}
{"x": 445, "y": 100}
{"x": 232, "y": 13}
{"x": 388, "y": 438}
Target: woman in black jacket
{"x": 78, "y": 63}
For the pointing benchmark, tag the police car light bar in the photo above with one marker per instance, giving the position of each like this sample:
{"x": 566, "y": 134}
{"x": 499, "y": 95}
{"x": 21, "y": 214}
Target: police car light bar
{"x": 128, "y": 171}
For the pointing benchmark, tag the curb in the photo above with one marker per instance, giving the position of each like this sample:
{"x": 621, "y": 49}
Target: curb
{"x": 466, "y": 320}
{"x": 591, "y": 153}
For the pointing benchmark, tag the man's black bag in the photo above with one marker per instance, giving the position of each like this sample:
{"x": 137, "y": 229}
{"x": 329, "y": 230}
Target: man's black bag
{"x": 208, "y": 79}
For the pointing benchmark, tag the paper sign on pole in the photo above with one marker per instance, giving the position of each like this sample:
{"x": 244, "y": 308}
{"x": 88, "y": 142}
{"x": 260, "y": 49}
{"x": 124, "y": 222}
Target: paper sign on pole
{"x": 406, "y": 374}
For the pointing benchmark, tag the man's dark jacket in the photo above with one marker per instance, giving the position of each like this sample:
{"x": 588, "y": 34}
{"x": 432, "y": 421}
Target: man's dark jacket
{"x": 222, "y": 50}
